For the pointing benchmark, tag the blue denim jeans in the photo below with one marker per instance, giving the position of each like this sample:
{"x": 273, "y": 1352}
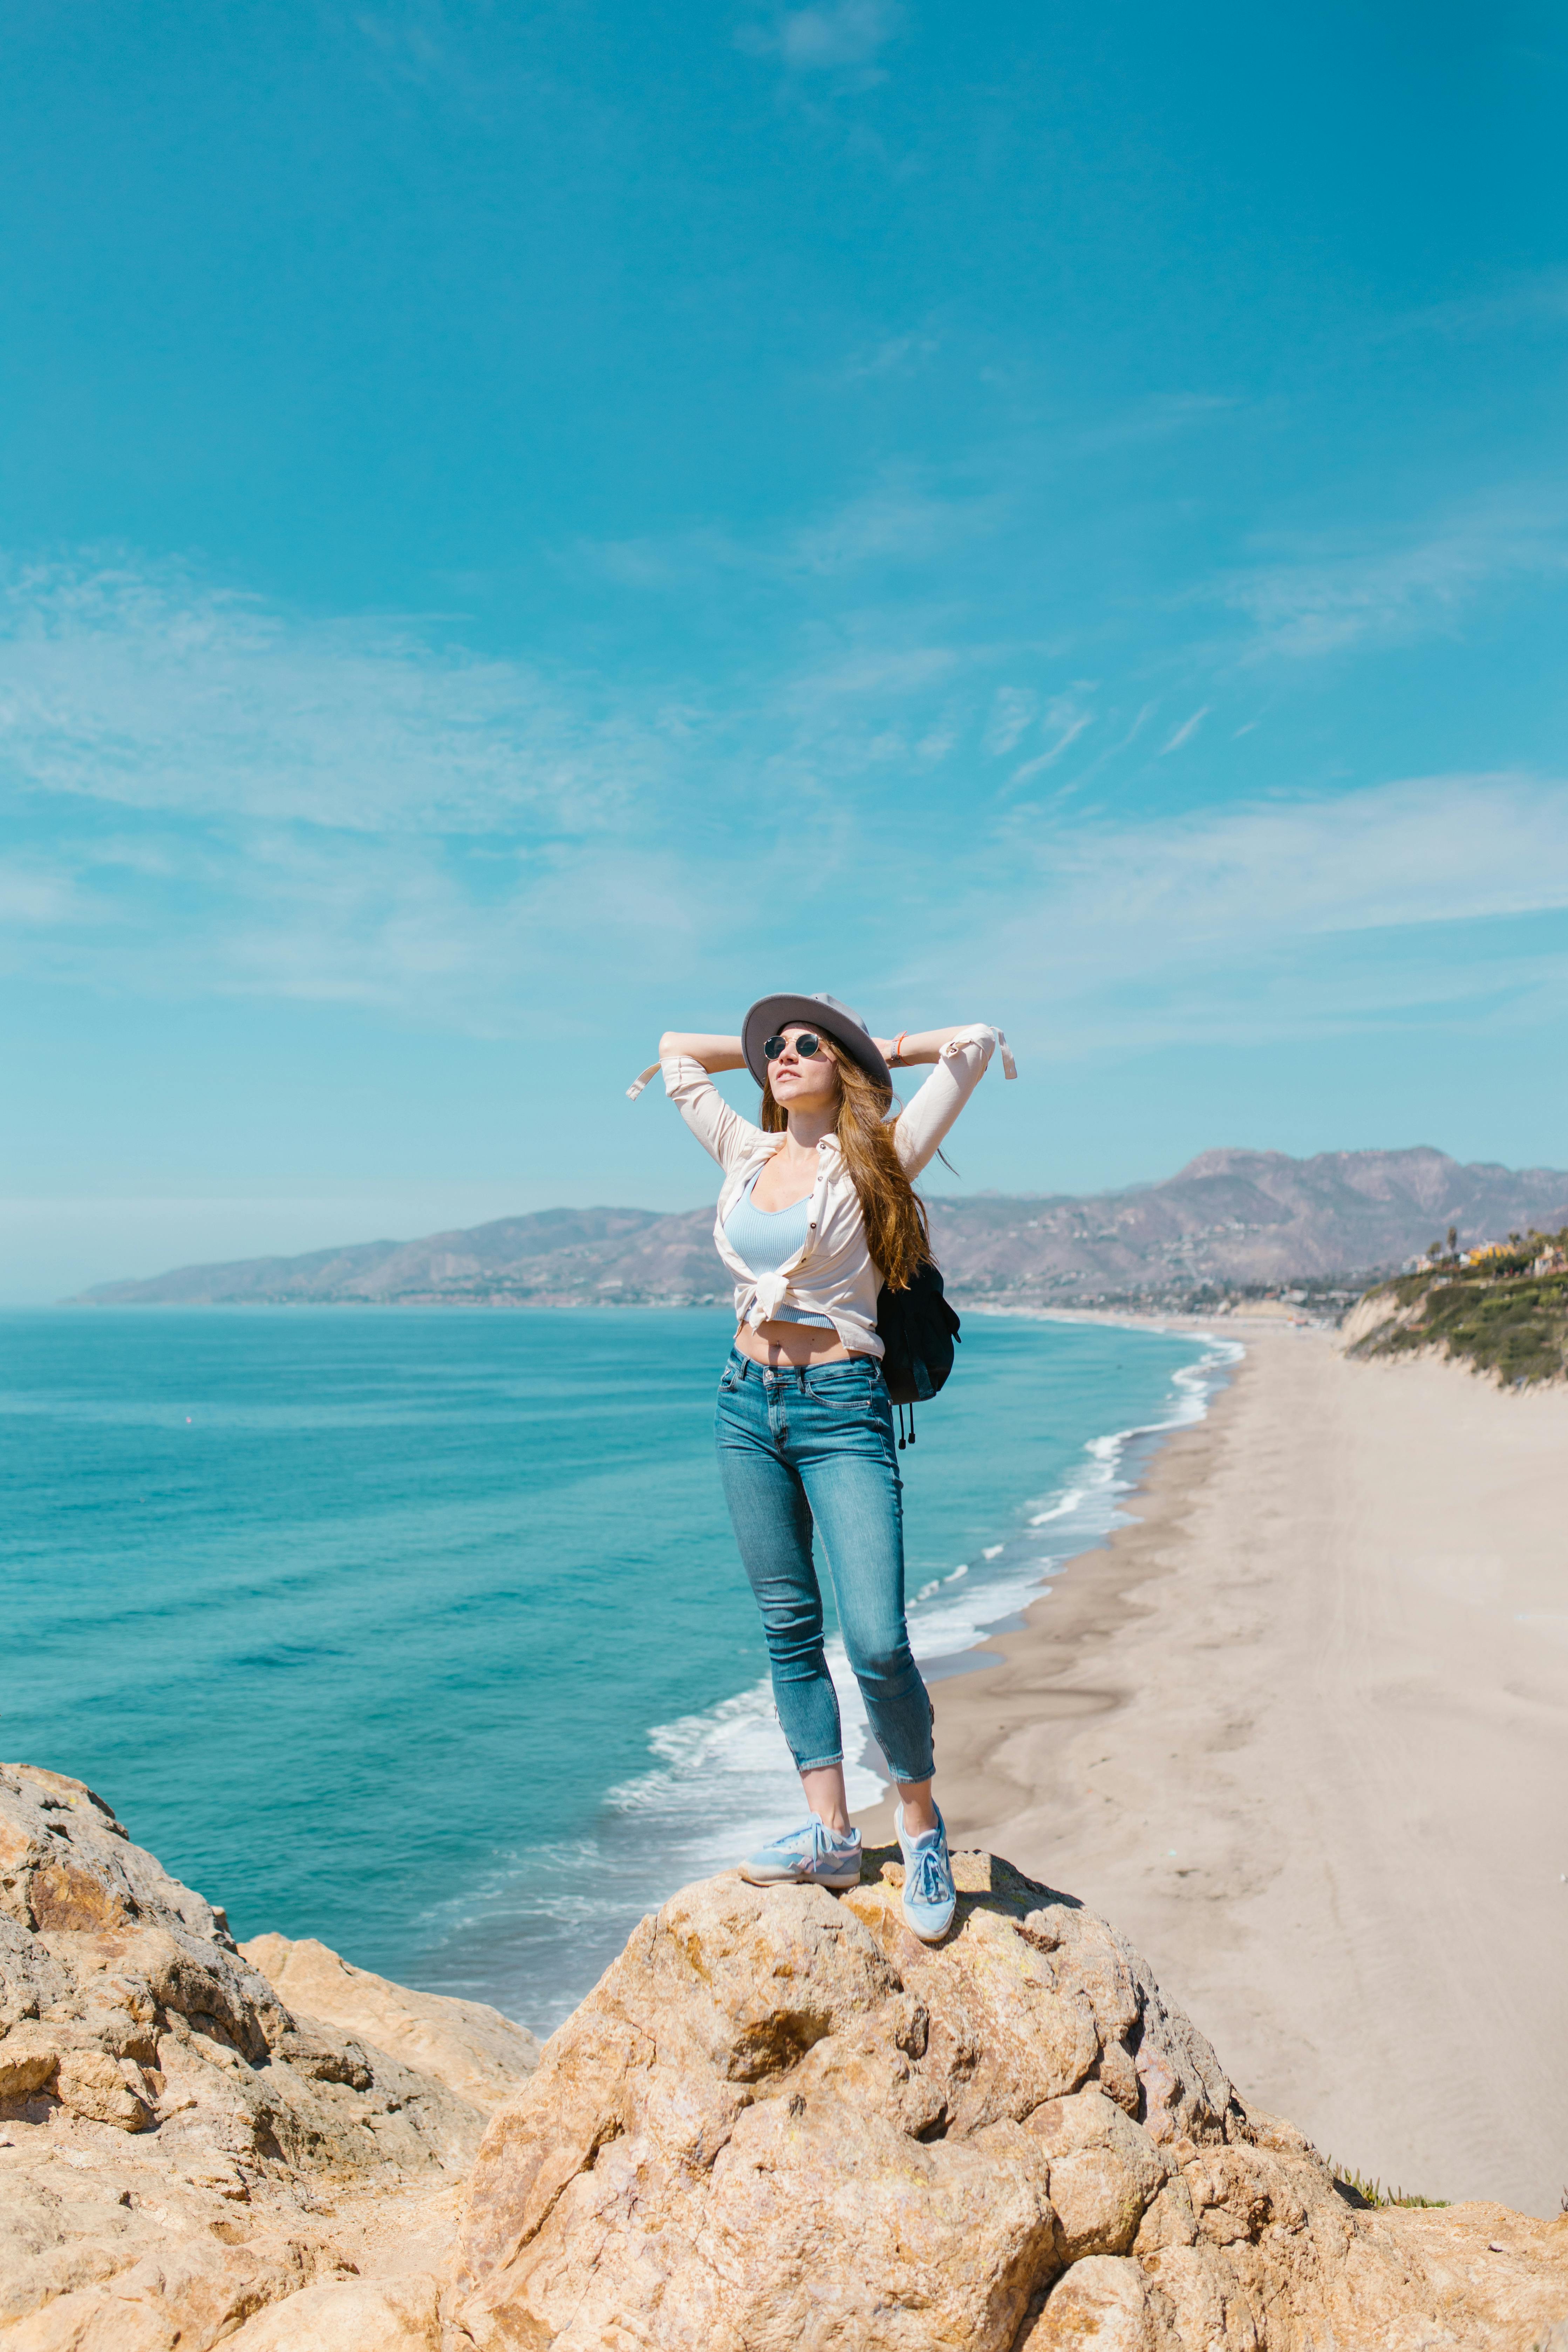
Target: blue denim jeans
{"x": 815, "y": 1446}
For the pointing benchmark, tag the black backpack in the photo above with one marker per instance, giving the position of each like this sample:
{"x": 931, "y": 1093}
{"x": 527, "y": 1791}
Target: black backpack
{"x": 917, "y": 1329}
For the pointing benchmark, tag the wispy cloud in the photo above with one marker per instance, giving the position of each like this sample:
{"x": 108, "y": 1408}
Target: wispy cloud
{"x": 32, "y": 894}
{"x": 373, "y": 815}
{"x": 827, "y": 39}
{"x": 318, "y": 813}
{"x": 1125, "y": 935}
{"x": 1012, "y": 712}
{"x": 896, "y": 671}
{"x": 1066, "y": 720}
{"x": 1540, "y": 299}
{"x": 1185, "y": 732}
{"x": 425, "y": 46}
{"x": 1325, "y": 600}
{"x": 895, "y": 355}
{"x": 144, "y": 688}
{"x": 1156, "y": 418}
{"x": 898, "y": 521}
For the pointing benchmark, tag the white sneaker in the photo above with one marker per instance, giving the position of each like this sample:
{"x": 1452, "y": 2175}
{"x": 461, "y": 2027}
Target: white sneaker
{"x": 931, "y": 1898}
{"x": 809, "y": 1857}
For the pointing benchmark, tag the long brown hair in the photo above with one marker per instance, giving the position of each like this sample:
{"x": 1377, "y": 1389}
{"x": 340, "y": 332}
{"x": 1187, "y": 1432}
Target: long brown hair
{"x": 898, "y": 1231}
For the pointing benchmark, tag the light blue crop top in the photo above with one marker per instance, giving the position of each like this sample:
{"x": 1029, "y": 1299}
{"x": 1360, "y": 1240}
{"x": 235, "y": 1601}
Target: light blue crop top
{"x": 768, "y": 1238}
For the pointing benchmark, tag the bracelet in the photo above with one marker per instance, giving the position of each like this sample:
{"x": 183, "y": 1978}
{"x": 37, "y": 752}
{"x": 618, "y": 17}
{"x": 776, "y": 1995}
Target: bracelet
{"x": 898, "y": 1048}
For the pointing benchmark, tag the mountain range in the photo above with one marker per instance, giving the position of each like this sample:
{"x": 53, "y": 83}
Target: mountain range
{"x": 1230, "y": 1219}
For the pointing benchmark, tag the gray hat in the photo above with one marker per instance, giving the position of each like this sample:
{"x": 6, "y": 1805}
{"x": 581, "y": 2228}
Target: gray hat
{"x": 769, "y": 1014}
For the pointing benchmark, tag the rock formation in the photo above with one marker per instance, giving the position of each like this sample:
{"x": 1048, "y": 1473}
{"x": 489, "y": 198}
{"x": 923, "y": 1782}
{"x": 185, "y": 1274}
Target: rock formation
{"x": 778, "y": 2122}
{"x": 467, "y": 2045}
{"x": 179, "y": 2149}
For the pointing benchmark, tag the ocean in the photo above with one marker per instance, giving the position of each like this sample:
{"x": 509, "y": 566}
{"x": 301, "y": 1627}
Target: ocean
{"x": 422, "y": 1632}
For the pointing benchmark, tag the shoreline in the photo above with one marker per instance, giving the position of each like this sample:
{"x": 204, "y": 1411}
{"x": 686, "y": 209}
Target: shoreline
{"x": 1081, "y": 1607}
{"x": 1300, "y": 1731}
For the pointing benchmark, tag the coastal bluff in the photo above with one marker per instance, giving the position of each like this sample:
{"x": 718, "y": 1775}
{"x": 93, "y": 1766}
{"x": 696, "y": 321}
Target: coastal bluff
{"x": 777, "y": 2121}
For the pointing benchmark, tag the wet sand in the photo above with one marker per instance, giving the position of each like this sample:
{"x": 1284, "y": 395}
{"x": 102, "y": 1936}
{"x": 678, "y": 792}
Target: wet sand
{"x": 1301, "y": 1732}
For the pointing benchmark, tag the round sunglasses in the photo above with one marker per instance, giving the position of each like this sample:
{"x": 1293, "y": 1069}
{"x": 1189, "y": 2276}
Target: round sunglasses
{"x": 806, "y": 1046}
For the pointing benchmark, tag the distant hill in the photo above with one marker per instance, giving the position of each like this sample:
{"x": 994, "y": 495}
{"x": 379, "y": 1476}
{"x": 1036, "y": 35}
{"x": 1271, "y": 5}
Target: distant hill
{"x": 1240, "y": 1219}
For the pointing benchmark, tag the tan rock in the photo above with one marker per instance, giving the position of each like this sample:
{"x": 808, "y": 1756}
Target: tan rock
{"x": 174, "y": 2141}
{"x": 1500, "y": 2278}
{"x": 29, "y": 2056}
{"x": 466, "y": 2044}
{"x": 181, "y": 2295}
{"x": 820, "y": 2124}
{"x": 1103, "y": 2303}
{"x": 66, "y": 1862}
{"x": 1106, "y": 2173}
{"x": 780, "y": 2121}
{"x": 357, "y": 2316}
{"x": 102, "y": 2089}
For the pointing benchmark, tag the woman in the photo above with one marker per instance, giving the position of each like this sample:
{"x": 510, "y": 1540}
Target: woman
{"x": 817, "y": 1212}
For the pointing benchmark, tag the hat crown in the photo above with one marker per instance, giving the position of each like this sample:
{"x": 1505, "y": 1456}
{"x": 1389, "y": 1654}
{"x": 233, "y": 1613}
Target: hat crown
{"x": 845, "y": 1012}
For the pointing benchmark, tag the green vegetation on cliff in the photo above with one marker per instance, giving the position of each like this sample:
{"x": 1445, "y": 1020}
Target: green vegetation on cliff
{"x": 1505, "y": 1310}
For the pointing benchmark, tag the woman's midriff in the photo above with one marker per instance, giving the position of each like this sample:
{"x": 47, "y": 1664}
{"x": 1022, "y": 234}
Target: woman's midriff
{"x": 795, "y": 1345}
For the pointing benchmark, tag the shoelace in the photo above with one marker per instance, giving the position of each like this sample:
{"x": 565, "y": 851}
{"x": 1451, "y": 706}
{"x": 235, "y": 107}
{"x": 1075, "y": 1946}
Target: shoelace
{"x": 822, "y": 1838}
{"x": 925, "y": 1880}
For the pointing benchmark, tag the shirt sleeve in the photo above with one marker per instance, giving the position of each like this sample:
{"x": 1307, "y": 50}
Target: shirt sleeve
{"x": 718, "y": 1129}
{"x": 931, "y": 1111}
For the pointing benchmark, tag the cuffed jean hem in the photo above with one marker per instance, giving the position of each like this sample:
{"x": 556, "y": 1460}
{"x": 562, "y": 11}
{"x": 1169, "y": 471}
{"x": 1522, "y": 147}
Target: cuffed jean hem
{"x": 819, "y": 1763}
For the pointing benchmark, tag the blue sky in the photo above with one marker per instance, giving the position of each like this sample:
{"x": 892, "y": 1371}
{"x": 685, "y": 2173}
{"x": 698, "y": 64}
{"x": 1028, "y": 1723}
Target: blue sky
{"x": 524, "y": 526}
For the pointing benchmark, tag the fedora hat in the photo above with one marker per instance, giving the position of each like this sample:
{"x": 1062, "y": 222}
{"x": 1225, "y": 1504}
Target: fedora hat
{"x": 769, "y": 1014}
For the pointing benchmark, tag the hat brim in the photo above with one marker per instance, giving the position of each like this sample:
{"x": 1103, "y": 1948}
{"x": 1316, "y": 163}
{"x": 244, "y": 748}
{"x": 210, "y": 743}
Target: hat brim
{"x": 769, "y": 1014}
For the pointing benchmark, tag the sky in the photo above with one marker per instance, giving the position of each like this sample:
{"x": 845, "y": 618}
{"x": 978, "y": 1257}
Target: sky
{"x": 523, "y": 527}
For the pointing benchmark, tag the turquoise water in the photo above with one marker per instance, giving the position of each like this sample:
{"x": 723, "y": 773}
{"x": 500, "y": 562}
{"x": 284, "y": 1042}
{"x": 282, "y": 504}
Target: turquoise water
{"x": 423, "y": 1632}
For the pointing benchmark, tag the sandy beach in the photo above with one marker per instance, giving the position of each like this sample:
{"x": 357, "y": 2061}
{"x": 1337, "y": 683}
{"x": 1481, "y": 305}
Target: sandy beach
{"x": 1301, "y": 1731}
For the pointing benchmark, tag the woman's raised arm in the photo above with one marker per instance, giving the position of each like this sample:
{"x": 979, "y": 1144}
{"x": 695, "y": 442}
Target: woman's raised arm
{"x": 715, "y": 1054}
{"x": 961, "y": 1056}
{"x": 919, "y": 1044}
{"x": 718, "y": 1129}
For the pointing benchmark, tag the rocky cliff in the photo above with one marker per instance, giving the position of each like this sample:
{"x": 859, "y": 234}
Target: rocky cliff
{"x": 181, "y": 2148}
{"x": 778, "y": 2122}
{"x": 1229, "y": 1217}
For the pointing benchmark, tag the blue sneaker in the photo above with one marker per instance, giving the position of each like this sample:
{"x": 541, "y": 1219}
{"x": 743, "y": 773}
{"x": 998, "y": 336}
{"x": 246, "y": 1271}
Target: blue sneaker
{"x": 809, "y": 1857}
{"x": 931, "y": 1898}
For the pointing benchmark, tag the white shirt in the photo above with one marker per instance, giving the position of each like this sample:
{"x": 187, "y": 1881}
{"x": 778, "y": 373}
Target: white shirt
{"x": 832, "y": 1274}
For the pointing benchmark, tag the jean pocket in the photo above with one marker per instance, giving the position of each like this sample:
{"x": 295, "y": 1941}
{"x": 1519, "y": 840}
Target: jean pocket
{"x": 842, "y": 1391}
